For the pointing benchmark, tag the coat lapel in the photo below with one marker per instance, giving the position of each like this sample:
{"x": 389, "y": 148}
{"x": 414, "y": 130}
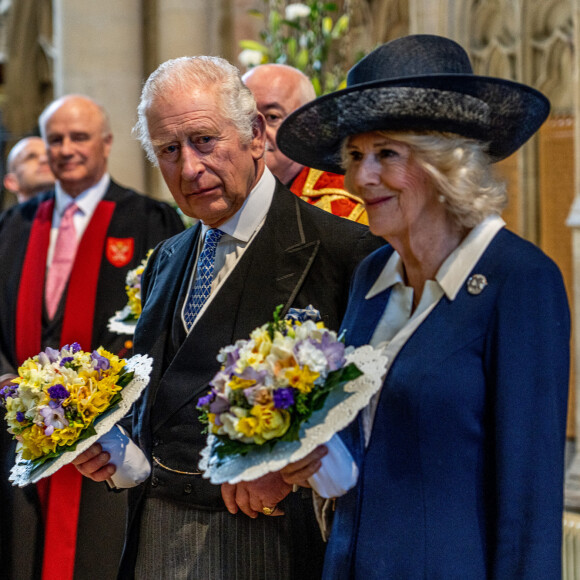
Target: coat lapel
{"x": 173, "y": 268}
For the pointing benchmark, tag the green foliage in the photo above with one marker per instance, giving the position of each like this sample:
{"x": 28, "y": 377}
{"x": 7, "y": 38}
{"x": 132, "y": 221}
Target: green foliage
{"x": 309, "y": 36}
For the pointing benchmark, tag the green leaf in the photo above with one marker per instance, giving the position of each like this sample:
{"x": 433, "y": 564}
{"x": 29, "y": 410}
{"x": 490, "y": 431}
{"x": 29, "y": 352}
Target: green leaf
{"x": 253, "y": 45}
{"x": 302, "y": 59}
{"x": 256, "y": 13}
{"x": 317, "y": 87}
{"x": 125, "y": 378}
{"x": 275, "y": 21}
{"x": 291, "y": 48}
{"x": 292, "y": 24}
{"x": 340, "y": 27}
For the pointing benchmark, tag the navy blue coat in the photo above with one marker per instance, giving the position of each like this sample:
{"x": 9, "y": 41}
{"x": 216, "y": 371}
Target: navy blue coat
{"x": 463, "y": 475}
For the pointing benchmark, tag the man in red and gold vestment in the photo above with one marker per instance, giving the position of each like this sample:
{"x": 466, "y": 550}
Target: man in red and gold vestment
{"x": 279, "y": 90}
{"x": 66, "y": 527}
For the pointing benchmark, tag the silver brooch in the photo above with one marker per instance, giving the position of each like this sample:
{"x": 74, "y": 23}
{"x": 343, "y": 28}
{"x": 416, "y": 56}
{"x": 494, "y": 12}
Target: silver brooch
{"x": 476, "y": 284}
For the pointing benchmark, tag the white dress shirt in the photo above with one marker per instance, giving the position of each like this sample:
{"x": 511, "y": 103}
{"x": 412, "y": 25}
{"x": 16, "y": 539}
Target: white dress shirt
{"x": 86, "y": 202}
{"x": 239, "y": 231}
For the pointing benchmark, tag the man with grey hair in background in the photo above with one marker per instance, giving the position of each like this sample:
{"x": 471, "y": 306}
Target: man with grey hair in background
{"x": 199, "y": 123}
{"x": 28, "y": 172}
{"x": 65, "y": 257}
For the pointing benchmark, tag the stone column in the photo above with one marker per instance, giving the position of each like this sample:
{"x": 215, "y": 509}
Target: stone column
{"x": 572, "y": 486}
{"x": 430, "y": 17}
{"x": 98, "y": 52}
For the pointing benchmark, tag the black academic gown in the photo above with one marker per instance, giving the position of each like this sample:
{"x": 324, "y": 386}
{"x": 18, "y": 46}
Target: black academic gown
{"x": 145, "y": 222}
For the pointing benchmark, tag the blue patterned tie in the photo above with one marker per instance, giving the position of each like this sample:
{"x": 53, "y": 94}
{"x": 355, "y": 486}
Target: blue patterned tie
{"x": 204, "y": 277}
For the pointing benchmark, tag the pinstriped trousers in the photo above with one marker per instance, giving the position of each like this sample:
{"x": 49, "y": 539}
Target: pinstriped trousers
{"x": 179, "y": 542}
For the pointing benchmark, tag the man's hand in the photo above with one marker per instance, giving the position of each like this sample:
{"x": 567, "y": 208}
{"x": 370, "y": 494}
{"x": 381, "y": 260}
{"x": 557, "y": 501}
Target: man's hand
{"x": 298, "y": 473}
{"x": 94, "y": 463}
{"x": 252, "y": 496}
{"x": 7, "y": 380}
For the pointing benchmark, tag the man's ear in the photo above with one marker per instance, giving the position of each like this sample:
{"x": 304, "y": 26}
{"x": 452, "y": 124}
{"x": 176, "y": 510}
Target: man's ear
{"x": 107, "y": 144}
{"x": 11, "y": 183}
{"x": 258, "y": 145}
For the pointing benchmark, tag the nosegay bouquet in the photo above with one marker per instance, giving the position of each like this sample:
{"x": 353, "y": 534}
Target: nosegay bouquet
{"x": 279, "y": 394}
{"x": 271, "y": 384}
{"x": 59, "y": 400}
{"x": 125, "y": 320}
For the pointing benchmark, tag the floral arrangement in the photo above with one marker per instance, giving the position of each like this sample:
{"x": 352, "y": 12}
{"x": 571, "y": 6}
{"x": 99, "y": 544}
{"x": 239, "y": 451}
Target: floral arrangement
{"x": 132, "y": 310}
{"x": 309, "y": 36}
{"x": 271, "y": 383}
{"x": 57, "y": 397}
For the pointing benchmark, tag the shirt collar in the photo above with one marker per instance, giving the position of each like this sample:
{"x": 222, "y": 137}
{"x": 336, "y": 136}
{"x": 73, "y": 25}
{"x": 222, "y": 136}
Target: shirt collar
{"x": 248, "y": 218}
{"x": 87, "y": 201}
{"x": 456, "y": 267}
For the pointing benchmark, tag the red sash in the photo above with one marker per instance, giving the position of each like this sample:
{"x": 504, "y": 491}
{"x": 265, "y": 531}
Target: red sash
{"x": 62, "y": 491}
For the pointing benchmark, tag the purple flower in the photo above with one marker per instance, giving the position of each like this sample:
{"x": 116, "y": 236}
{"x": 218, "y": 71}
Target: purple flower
{"x": 48, "y": 356}
{"x": 75, "y": 347}
{"x": 10, "y": 390}
{"x": 283, "y": 398}
{"x": 58, "y": 392}
{"x": 333, "y": 351}
{"x": 250, "y": 374}
{"x": 220, "y": 404}
{"x": 228, "y": 357}
{"x": 53, "y": 418}
{"x": 206, "y": 400}
{"x": 102, "y": 363}
{"x": 66, "y": 359}
{"x": 220, "y": 379}
{"x": 20, "y": 417}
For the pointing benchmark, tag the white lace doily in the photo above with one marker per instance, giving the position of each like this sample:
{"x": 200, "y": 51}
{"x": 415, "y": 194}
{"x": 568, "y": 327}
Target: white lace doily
{"x": 24, "y": 471}
{"x": 340, "y": 409}
{"x": 118, "y": 325}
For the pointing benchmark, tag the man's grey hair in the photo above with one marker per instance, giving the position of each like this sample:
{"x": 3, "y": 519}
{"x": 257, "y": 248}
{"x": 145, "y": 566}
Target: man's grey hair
{"x": 235, "y": 100}
{"x": 56, "y": 104}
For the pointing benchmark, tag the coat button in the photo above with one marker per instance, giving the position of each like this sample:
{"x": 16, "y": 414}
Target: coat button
{"x": 154, "y": 481}
{"x": 187, "y": 488}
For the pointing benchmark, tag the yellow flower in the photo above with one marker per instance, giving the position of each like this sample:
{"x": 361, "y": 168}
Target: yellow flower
{"x": 271, "y": 422}
{"x": 248, "y": 426}
{"x": 262, "y": 343}
{"x": 301, "y": 379}
{"x": 35, "y": 443}
{"x": 237, "y": 383}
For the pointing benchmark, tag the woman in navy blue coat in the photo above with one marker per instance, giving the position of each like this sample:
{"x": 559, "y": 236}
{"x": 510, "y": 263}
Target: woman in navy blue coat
{"x": 461, "y": 454}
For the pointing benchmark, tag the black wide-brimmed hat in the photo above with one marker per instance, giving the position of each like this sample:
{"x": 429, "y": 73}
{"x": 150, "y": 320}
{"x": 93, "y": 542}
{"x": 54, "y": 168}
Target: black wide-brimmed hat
{"x": 414, "y": 83}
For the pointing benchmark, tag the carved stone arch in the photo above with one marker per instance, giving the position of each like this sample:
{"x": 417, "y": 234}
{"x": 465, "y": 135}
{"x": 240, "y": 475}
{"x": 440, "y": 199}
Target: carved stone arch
{"x": 378, "y": 21}
{"x": 479, "y": 23}
{"x": 548, "y": 40}
{"x": 494, "y": 35}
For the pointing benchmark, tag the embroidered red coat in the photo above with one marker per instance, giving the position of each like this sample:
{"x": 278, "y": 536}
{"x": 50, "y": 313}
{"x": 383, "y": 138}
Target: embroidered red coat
{"x": 326, "y": 191}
